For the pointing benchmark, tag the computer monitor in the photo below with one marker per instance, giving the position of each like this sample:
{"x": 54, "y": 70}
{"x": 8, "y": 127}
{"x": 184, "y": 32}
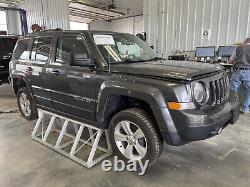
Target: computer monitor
{"x": 226, "y": 51}
{"x": 204, "y": 52}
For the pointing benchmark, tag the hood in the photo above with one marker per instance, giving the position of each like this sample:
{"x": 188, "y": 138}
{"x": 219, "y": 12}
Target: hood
{"x": 180, "y": 70}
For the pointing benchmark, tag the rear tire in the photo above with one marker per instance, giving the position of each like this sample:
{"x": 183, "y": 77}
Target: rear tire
{"x": 133, "y": 136}
{"x": 26, "y": 104}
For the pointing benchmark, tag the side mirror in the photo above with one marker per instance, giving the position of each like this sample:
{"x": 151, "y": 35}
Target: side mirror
{"x": 142, "y": 36}
{"x": 80, "y": 59}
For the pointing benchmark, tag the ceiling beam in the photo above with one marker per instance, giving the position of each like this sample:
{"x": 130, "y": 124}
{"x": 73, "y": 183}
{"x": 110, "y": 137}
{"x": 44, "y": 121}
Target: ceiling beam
{"x": 92, "y": 8}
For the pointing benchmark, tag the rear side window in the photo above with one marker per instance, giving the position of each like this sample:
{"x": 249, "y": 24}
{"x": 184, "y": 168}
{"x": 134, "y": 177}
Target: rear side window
{"x": 21, "y": 51}
{"x": 41, "y": 49}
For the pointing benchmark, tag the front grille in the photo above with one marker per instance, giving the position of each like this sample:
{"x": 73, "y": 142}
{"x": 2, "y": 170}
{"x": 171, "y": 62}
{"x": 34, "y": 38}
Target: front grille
{"x": 219, "y": 91}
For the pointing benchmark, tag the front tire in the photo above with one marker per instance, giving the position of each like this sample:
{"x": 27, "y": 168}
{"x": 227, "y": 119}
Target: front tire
{"x": 133, "y": 136}
{"x": 26, "y": 104}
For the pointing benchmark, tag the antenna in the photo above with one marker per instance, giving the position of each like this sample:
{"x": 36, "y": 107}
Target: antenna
{"x": 109, "y": 64}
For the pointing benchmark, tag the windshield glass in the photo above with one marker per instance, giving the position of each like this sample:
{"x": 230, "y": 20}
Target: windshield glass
{"x": 123, "y": 48}
{"x": 7, "y": 45}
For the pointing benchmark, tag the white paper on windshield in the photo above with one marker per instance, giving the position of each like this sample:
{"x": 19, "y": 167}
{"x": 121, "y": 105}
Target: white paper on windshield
{"x": 103, "y": 39}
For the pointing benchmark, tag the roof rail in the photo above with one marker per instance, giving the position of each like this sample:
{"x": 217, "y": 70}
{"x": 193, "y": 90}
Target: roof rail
{"x": 49, "y": 30}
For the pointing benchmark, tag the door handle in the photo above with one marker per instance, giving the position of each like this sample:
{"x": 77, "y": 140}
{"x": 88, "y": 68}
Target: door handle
{"x": 29, "y": 69}
{"x": 56, "y": 72}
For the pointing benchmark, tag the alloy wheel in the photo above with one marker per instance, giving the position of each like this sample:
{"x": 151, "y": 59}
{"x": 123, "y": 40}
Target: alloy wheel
{"x": 130, "y": 140}
{"x": 25, "y": 104}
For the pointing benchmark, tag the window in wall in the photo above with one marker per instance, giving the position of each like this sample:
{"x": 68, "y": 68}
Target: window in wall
{"x": 78, "y": 26}
{"x": 3, "y": 22}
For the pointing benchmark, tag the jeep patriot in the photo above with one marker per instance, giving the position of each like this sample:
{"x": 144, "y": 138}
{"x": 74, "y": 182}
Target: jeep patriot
{"x": 117, "y": 82}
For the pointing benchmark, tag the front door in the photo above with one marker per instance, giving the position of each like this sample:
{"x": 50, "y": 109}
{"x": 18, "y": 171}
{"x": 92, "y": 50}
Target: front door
{"x": 73, "y": 78}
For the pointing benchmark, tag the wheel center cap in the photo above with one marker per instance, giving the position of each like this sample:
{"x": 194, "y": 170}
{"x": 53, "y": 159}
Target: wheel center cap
{"x": 131, "y": 140}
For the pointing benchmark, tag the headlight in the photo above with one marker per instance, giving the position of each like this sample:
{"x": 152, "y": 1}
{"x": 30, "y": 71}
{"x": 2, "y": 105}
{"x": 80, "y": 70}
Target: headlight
{"x": 200, "y": 94}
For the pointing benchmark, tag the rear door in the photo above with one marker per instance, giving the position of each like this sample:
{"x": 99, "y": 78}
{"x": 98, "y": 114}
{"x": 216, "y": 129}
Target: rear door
{"x": 36, "y": 67}
{"x": 73, "y": 78}
{"x": 20, "y": 59}
{"x": 21, "y": 56}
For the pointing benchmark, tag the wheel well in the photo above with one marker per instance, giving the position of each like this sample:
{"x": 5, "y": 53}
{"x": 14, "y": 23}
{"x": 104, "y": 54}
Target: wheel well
{"x": 17, "y": 84}
{"x": 116, "y": 103}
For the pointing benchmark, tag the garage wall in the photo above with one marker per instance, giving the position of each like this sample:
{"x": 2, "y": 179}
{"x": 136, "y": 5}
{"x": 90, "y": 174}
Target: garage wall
{"x": 132, "y": 25}
{"x": 47, "y": 13}
{"x": 99, "y": 25}
{"x": 174, "y": 25}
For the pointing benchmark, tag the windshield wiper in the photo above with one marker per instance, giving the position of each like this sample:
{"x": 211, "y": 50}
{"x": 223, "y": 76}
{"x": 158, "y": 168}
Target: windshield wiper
{"x": 132, "y": 61}
{"x": 154, "y": 59}
{"x": 129, "y": 61}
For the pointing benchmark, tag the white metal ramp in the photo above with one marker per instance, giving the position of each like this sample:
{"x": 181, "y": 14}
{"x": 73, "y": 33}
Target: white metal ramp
{"x": 75, "y": 140}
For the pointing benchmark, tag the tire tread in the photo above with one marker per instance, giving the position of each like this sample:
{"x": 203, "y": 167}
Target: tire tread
{"x": 34, "y": 114}
{"x": 153, "y": 133}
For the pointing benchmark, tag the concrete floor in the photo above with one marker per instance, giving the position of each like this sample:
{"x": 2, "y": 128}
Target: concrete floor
{"x": 220, "y": 161}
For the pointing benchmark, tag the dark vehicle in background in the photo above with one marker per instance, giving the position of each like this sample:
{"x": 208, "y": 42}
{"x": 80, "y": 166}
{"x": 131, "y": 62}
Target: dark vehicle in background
{"x": 7, "y": 45}
{"x": 117, "y": 82}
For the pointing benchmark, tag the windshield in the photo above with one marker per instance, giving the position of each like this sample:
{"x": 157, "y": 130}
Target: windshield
{"x": 123, "y": 48}
{"x": 7, "y": 45}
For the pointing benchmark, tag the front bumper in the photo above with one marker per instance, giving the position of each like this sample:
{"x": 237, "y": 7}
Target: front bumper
{"x": 193, "y": 125}
{"x": 211, "y": 128}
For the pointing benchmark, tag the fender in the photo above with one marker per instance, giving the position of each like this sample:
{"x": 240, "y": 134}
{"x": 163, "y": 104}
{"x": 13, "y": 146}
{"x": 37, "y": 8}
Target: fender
{"x": 148, "y": 94}
{"x": 20, "y": 75}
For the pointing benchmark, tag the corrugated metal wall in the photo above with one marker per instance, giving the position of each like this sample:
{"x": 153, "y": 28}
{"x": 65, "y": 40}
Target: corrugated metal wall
{"x": 132, "y": 25}
{"x": 174, "y": 25}
{"x": 99, "y": 25}
{"x": 49, "y": 13}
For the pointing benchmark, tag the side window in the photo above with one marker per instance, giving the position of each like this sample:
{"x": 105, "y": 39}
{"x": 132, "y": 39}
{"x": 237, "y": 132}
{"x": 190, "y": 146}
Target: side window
{"x": 41, "y": 49}
{"x": 72, "y": 50}
{"x": 21, "y": 51}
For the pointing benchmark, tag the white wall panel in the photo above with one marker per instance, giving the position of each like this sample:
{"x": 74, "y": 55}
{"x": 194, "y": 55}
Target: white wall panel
{"x": 177, "y": 25}
{"x": 138, "y": 25}
{"x": 122, "y": 25}
{"x": 132, "y": 25}
{"x": 48, "y": 13}
{"x": 99, "y": 25}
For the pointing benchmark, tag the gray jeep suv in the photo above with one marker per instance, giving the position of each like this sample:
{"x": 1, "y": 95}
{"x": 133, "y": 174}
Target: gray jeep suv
{"x": 117, "y": 82}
